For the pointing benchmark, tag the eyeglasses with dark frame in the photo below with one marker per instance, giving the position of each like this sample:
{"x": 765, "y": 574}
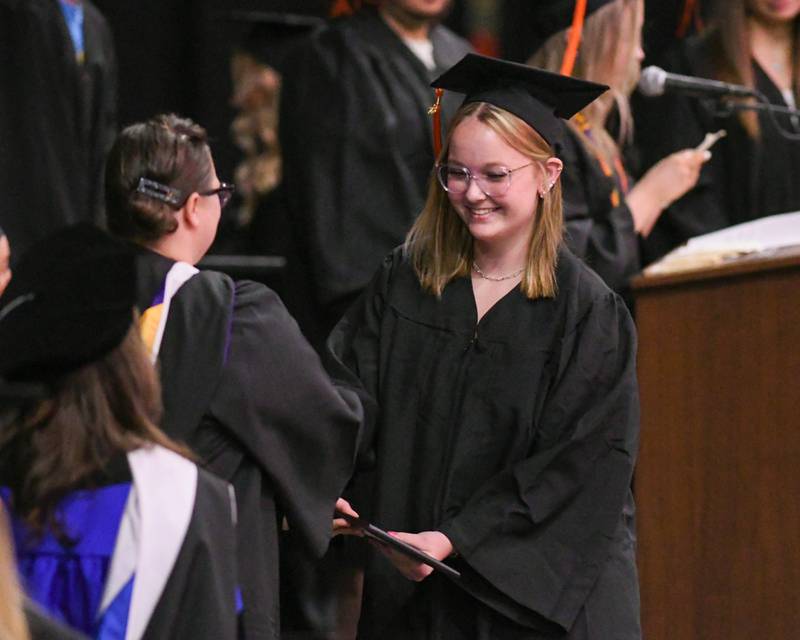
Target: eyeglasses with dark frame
{"x": 224, "y": 191}
{"x": 494, "y": 183}
{"x": 176, "y": 198}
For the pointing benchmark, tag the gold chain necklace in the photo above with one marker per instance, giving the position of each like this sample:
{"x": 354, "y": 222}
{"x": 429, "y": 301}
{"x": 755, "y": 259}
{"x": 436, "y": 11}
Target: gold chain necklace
{"x": 495, "y": 278}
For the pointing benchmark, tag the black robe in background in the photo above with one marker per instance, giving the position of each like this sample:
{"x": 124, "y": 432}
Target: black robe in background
{"x": 245, "y": 390}
{"x": 744, "y": 180}
{"x": 357, "y": 148}
{"x": 597, "y": 231}
{"x": 57, "y": 119}
{"x": 516, "y": 437}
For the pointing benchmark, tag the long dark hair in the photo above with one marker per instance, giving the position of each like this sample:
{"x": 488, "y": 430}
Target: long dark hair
{"x": 108, "y": 407}
{"x": 170, "y": 150}
{"x": 728, "y": 42}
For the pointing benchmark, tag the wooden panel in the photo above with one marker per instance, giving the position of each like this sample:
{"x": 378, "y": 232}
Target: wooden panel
{"x": 718, "y": 480}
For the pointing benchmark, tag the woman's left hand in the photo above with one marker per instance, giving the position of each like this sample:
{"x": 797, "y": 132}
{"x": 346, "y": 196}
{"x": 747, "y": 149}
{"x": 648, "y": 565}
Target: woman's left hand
{"x": 434, "y": 543}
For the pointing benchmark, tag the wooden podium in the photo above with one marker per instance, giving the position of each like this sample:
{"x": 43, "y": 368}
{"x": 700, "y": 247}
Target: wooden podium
{"x": 718, "y": 479}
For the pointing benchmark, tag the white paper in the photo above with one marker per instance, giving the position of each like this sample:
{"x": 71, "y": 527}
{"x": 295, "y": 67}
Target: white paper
{"x": 762, "y": 235}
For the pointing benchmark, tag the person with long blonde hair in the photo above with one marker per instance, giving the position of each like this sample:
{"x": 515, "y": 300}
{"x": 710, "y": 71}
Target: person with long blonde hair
{"x": 501, "y": 374}
{"x": 755, "y": 43}
{"x": 606, "y": 213}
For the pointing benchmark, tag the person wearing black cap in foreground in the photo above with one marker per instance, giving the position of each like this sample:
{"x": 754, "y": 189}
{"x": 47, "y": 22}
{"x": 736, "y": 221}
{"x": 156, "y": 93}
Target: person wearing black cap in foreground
{"x": 504, "y": 375}
{"x": 608, "y": 215}
{"x": 240, "y": 384}
{"x": 116, "y": 533}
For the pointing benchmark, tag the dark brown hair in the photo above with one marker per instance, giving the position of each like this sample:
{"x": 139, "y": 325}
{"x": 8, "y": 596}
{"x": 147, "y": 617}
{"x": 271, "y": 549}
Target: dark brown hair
{"x": 104, "y": 409}
{"x": 167, "y": 149}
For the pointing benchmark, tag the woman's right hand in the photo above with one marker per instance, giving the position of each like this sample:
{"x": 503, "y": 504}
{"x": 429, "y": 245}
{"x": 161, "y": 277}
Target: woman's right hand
{"x": 664, "y": 182}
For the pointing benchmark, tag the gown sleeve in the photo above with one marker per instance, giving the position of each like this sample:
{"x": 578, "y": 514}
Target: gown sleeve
{"x": 601, "y": 234}
{"x": 353, "y": 351}
{"x": 535, "y": 537}
{"x": 301, "y": 430}
{"x": 670, "y": 123}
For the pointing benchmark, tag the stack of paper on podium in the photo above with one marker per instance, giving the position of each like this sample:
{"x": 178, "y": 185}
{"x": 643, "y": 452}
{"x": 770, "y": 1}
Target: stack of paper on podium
{"x": 758, "y": 236}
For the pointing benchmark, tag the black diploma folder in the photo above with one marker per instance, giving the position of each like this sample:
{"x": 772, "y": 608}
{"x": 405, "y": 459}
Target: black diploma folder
{"x": 376, "y": 533}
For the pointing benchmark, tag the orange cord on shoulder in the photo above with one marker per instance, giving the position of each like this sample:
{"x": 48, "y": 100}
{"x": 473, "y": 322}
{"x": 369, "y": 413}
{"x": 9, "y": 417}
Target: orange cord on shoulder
{"x": 574, "y": 40}
{"x": 348, "y": 7}
{"x": 341, "y": 8}
{"x": 690, "y": 16}
{"x": 435, "y": 110}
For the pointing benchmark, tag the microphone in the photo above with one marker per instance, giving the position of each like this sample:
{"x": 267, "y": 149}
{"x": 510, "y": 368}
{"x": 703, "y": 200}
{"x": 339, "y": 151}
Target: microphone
{"x": 655, "y": 81}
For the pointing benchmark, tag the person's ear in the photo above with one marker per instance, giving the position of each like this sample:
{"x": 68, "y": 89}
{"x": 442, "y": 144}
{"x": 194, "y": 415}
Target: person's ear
{"x": 189, "y": 211}
{"x": 552, "y": 170}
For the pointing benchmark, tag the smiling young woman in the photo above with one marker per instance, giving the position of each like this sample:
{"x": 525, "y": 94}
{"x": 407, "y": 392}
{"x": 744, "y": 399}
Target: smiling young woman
{"x": 503, "y": 371}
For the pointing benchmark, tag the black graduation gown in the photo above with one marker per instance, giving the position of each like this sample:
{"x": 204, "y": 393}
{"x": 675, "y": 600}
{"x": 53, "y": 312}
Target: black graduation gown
{"x": 357, "y": 147}
{"x": 57, "y": 119}
{"x": 598, "y": 231}
{"x": 516, "y": 437}
{"x": 744, "y": 180}
{"x": 42, "y": 627}
{"x": 245, "y": 390}
{"x": 197, "y": 601}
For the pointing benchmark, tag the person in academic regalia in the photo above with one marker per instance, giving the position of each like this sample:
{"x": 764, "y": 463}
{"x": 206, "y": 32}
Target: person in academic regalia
{"x": 606, "y": 214}
{"x": 117, "y": 534}
{"x": 356, "y": 139}
{"x": 58, "y": 74}
{"x": 753, "y": 170}
{"x": 501, "y": 371}
{"x": 240, "y": 384}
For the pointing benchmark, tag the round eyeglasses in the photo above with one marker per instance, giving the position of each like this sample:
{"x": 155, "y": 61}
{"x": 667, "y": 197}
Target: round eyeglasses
{"x": 224, "y": 191}
{"x": 494, "y": 183}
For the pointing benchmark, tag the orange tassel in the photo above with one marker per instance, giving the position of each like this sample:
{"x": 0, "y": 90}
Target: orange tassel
{"x": 341, "y": 8}
{"x": 435, "y": 110}
{"x": 574, "y": 40}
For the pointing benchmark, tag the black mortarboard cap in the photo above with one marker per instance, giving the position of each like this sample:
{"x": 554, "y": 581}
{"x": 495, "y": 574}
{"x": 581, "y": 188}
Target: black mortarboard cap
{"x": 69, "y": 303}
{"x": 541, "y": 98}
{"x": 269, "y": 35}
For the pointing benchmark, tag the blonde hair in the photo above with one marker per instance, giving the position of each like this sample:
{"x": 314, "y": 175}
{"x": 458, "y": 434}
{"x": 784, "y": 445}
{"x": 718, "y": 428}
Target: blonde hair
{"x": 439, "y": 244}
{"x": 12, "y": 619}
{"x": 611, "y": 36}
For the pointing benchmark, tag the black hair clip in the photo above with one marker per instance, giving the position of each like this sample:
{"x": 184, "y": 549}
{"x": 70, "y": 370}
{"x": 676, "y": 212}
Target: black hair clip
{"x": 159, "y": 191}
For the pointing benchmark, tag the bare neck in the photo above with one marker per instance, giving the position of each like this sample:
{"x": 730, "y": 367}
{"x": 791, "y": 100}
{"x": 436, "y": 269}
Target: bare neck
{"x": 500, "y": 260}
{"x": 771, "y": 38}
{"x": 772, "y": 45}
{"x": 175, "y": 248}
